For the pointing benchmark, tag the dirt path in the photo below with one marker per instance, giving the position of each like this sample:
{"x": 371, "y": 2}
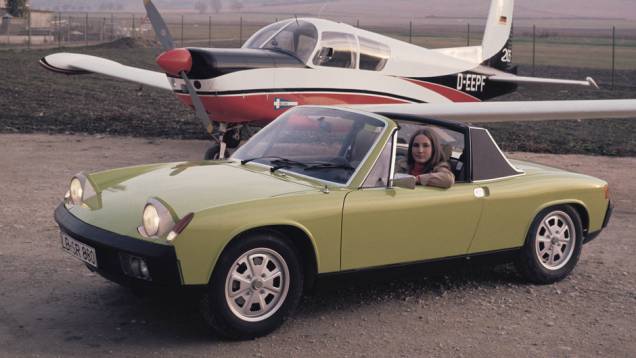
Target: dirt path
{"x": 50, "y": 305}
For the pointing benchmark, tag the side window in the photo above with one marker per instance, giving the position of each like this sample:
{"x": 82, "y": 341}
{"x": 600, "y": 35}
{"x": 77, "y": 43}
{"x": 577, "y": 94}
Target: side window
{"x": 379, "y": 175}
{"x": 337, "y": 50}
{"x": 373, "y": 55}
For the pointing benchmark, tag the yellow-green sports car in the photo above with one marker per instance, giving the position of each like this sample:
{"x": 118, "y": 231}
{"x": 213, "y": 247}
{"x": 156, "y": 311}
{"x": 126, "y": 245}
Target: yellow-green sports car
{"x": 316, "y": 192}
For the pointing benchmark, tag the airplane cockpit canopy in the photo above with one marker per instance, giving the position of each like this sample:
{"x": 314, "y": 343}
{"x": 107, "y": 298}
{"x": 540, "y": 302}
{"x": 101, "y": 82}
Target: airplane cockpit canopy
{"x": 335, "y": 46}
{"x": 296, "y": 38}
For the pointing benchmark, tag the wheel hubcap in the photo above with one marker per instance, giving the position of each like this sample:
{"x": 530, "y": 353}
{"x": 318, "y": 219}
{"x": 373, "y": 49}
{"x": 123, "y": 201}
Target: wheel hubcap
{"x": 555, "y": 240}
{"x": 257, "y": 284}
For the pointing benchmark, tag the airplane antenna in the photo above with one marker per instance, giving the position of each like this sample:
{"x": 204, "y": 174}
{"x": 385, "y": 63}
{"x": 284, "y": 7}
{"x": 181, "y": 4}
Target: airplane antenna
{"x": 322, "y": 8}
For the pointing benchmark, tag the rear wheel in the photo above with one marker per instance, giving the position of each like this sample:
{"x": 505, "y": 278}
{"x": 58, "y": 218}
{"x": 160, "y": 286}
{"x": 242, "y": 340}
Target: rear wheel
{"x": 553, "y": 245}
{"x": 256, "y": 285}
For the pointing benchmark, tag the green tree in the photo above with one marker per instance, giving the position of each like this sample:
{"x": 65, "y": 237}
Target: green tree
{"x": 17, "y": 8}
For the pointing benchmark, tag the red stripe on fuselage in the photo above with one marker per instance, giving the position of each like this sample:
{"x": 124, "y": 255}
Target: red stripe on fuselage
{"x": 261, "y": 107}
{"x": 450, "y": 93}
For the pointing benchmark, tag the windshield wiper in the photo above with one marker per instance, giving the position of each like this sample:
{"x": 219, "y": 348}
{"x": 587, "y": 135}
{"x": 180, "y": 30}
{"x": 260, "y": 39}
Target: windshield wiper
{"x": 245, "y": 161}
{"x": 285, "y": 163}
{"x": 328, "y": 166}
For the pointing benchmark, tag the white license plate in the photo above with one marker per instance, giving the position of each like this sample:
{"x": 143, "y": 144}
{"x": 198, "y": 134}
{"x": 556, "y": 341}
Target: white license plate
{"x": 79, "y": 250}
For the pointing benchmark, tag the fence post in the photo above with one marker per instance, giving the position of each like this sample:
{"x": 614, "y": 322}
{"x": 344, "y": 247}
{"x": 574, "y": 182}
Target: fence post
{"x": 468, "y": 34}
{"x": 534, "y": 47}
{"x": 613, "y": 55}
{"x": 181, "y": 30}
{"x": 29, "y": 24}
{"x": 210, "y": 31}
{"x": 411, "y": 31}
{"x": 69, "y": 28}
{"x": 133, "y": 27}
{"x": 86, "y": 29}
{"x": 241, "y": 32}
{"x": 59, "y": 29}
{"x": 112, "y": 27}
{"x": 102, "y": 34}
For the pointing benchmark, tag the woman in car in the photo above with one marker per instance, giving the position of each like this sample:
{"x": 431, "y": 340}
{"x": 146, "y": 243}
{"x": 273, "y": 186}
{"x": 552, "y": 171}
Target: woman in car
{"x": 427, "y": 161}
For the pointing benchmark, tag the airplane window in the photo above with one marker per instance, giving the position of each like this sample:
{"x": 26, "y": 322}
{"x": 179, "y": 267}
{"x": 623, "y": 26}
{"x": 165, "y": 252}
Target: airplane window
{"x": 257, "y": 40}
{"x": 298, "y": 39}
{"x": 373, "y": 55}
{"x": 337, "y": 50}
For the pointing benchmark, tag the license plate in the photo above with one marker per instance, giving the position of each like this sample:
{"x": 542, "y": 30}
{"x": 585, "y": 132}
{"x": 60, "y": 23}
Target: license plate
{"x": 79, "y": 250}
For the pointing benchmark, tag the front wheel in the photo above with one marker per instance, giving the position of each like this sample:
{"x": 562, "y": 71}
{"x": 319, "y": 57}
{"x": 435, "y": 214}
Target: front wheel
{"x": 553, "y": 245}
{"x": 256, "y": 285}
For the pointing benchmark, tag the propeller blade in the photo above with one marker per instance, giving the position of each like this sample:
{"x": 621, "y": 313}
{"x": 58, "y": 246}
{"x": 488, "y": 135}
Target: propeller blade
{"x": 160, "y": 27}
{"x": 200, "y": 111}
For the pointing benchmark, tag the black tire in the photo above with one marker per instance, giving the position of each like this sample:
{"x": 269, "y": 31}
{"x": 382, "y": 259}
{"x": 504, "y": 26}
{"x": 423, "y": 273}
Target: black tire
{"x": 217, "y": 307}
{"x": 212, "y": 153}
{"x": 532, "y": 265}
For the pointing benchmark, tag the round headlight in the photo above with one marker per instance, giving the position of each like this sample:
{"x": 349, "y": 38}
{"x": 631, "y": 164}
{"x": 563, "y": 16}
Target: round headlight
{"x": 76, "y": 191}
{"x": 151, "y": 220}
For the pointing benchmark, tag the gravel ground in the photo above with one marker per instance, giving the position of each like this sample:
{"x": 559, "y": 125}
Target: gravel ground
{"x": 51, "y": 305}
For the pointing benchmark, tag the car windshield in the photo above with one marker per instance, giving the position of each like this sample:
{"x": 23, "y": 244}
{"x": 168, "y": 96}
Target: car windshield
{"x": 323, "y": 143}
{"x": 298, "y": 39}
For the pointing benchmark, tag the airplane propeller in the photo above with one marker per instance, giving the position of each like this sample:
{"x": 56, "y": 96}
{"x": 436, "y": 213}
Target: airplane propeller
{"x": 182, "y": 65}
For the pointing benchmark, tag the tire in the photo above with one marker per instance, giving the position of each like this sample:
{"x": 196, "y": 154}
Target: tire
{"x": 553, "y": 245}
{"x": 235, "y": 284}
{"x": 212, "y": 153}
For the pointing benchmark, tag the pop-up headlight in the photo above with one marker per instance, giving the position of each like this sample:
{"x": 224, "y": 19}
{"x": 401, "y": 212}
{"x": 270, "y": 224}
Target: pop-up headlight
{"x": 80, "y": 190}
{"x": 157, "y": 219}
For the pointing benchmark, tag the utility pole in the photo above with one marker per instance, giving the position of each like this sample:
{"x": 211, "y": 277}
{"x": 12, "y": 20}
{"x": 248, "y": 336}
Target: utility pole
{"x": 613, "y": 54}
{"x": 468, "y": 35}
{"x": 534, "y": 47}
{"x": 86, "y": 30}
{"x": 210, "y": 31}
{"x": 411, "y": 31}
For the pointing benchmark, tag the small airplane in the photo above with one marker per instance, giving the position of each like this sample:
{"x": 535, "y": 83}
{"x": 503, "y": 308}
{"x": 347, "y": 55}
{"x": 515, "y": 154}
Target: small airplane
{"x": 302, "y": 61}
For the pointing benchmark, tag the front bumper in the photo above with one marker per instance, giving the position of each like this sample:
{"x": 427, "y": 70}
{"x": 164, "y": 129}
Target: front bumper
{"x": 161, "y": 259}
{"x": 608, "y": 214}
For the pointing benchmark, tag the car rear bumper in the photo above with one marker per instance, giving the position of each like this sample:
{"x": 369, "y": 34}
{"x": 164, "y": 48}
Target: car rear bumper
{"x": 160, "y": 259}
{"x": 608, "y": 214}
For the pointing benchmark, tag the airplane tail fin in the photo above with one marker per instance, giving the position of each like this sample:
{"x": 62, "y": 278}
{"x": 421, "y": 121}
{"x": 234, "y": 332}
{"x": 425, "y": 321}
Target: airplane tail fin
{"x": 495, "y": 50}
{"x": 496, "y": 47}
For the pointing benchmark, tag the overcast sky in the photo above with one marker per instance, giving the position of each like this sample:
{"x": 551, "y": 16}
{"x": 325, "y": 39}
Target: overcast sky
{"x": 617, "y": 9}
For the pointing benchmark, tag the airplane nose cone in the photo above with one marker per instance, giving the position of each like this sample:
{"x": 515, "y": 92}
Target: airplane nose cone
{"x": 175, "y": 61}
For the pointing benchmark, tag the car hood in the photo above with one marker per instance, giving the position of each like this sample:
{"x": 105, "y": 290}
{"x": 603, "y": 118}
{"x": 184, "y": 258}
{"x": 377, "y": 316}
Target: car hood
{"x": 185, "y": 187}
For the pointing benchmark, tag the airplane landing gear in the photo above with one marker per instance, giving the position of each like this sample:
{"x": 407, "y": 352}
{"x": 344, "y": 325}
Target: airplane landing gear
{"x": 227, "y": 141}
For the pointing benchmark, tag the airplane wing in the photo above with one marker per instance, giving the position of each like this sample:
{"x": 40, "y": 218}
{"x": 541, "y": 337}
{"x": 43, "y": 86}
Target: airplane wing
{"x": 73, "y": 64}
{"x": 488, "y": 112}
{"x": 589, "y": 81}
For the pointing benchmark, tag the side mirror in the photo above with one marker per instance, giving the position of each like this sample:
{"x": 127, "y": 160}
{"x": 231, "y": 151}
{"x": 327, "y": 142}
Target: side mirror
{"x": 404, "y": 181}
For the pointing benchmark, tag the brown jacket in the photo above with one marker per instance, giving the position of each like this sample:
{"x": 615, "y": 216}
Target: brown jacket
{"x": 441, "y": 176}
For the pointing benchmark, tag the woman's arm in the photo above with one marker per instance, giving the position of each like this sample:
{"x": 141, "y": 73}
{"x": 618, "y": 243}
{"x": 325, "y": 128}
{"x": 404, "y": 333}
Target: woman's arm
{"x": 440, "y": 177}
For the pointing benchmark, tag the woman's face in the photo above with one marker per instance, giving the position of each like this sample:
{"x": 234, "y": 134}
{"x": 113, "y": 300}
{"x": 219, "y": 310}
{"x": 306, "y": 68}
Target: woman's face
{"x": 422, "y": 149}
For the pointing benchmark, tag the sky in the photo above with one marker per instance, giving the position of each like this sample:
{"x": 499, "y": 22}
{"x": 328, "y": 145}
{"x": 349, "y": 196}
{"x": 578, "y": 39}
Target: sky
{"x": 606, "y": 9}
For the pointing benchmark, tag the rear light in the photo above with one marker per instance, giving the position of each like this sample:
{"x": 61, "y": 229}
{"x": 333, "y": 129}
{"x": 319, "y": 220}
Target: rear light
{"x": 606, "y": 191}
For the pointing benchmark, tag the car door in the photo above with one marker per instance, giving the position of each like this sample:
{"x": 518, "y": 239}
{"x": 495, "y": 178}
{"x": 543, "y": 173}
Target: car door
{"x": 384, "y": 225}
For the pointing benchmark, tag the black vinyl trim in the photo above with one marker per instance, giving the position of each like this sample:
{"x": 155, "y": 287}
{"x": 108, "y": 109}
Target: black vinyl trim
{"x": 608, "y": 214}
{"x": 591, "y": 236}
{"x": 272, "y": 90}
{"x": 494, "y": 257}
{"x": 161, "y": 259}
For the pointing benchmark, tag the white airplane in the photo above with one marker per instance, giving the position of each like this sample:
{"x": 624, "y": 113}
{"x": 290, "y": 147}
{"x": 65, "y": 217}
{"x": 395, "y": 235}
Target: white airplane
{"x": 318, "y": 62}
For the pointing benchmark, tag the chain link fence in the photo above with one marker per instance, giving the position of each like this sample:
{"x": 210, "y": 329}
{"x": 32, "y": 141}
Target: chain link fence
{"x": 609, "y": 48}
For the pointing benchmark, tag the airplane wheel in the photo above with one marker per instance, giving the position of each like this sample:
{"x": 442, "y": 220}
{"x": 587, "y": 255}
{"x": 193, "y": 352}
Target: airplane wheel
{"x": 213, "y": 152}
